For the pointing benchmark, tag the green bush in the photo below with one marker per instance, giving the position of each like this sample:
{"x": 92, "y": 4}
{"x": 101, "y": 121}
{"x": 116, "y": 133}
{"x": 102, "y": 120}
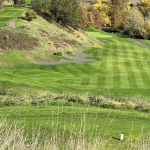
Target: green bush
{"x": 19, "y": 1}
{"x": 30, "y": 15}
{"x": 133, "y": 32}
{"x": 59, "y": 53}
{"x": 69, "y": 52}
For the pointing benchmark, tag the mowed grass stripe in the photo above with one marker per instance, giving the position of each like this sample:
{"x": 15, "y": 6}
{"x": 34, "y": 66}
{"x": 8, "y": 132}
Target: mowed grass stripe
{"x": 144, "y": 72}
{"x": 71, "y": 70}
{"x": 9, "y": 13}
{"x": 130, "y": 73}
{"x": 109, "y": 69}
{"x": 85, "y": 81}
{"x": 81, "y": 69}
{"x": 135, "y": 68}
{"x": 145, "y": 58}
{"x": 102, "y": 66}
{"x": 143, "y": 64}
{"x": 121, "y": 66}
{"x": 115, "y": 65}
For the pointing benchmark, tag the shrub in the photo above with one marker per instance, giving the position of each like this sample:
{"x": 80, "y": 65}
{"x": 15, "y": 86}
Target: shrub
{"x": 69, "y": 52}
{"x": 19, "y": 1}
{"x": 135, "y": 25}
{"x": 133, "y": 32}
{"x": 59, "y": 53}
{"x": 51, "y": 43}
{"x": 30, "y": 15}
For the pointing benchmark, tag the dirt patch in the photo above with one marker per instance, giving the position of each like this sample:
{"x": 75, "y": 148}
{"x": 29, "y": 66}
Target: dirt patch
{"x": 78, "y": 58}
{"x": 62, "y": 42}
{"x": 106, "y": 40}
{"x": 13, "y": 40}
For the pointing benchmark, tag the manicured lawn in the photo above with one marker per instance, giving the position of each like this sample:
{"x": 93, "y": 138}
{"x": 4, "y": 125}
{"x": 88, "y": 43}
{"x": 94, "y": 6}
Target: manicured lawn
{"x": 9, "y": 13}
{"x": 3, "y": 24}
{"x": 145, "y": 42}
{"x": 123, "y": 67}
{"x": 91, "y": 122}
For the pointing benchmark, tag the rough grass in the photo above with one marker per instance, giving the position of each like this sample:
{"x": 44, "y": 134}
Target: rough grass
{"x": 72, "y": 127}
{"x": 49, "y": 98}
{"x": 50, "y": 39}
{"x": 17, "y": 41}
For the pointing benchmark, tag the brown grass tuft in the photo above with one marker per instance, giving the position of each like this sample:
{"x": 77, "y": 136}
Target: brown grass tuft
{"x": 14, "y": 40}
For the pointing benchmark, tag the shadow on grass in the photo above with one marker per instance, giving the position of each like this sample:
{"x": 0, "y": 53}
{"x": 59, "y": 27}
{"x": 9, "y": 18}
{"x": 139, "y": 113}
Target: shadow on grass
{"x": 116, "y": 138}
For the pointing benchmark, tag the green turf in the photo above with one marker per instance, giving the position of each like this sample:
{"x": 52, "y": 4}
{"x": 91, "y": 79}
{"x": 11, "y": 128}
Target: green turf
{"x": 9, "y": 13}
{"x": 145, "y": 42}
{"x": 3, "y": 25}
{"x": 123, "y": 67}
{"x": 19, "y": 23}
{"x": 91, "y": 121}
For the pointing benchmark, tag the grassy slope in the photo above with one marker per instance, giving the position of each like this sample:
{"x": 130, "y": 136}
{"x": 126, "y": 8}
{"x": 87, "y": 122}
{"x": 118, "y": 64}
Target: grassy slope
{"x": 123, "y": 67}
{"x": 88, "y": 121}
{"x": 9, "y": 13}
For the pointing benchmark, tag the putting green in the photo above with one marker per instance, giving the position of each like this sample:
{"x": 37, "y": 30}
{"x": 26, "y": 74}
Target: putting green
{"x": 123, "y": 67}
{"x": 9, "y": 13}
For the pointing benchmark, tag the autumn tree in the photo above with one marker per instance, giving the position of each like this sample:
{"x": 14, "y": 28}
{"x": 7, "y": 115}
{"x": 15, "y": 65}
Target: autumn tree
{"x": 103, "y": 7}
{"x": 144, "y": 8}
{"x": 118, "y": 12}
{"x": 135, "y": 25}
{"x": 95, "y": 18}
{"x": 1, "y": 2}
{"x": 68, "y": 12}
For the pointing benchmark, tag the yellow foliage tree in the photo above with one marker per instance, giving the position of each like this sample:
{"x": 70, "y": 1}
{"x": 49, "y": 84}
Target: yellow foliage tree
{"x": 145, "y": 8}
{"x": 118, "y": 12}
{"x": 104, "y": 9}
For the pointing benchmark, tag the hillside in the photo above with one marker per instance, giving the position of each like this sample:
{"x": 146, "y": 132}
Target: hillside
{"x": 39, "y": 39}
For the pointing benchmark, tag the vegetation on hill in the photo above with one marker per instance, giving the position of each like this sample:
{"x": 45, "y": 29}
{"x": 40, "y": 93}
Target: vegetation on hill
{"x": 72, "y": 117}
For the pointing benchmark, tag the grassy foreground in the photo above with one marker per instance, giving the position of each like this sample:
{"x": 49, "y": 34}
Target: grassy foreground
{"x": 61, "y": 121}
{"x": 71, "y": 127}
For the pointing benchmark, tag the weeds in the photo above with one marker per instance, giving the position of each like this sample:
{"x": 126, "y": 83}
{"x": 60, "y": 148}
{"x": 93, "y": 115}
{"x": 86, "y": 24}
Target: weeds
{"x": 14, "y": 40}
{"x": 59, "y": 53}
{"x": 50, "y": 98}
{"x": 69, "y": 52}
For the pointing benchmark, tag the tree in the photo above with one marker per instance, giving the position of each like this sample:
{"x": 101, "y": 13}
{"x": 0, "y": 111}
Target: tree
{"x": 118, "y": 12}
{"x": 135, "y": 25}
{"x": 19, "y": 1}
{"x": 144, "y": 8}
{"x": 103, "y": 7}
{"x": 1, "y": 2}
{"x": 68, "y": 12}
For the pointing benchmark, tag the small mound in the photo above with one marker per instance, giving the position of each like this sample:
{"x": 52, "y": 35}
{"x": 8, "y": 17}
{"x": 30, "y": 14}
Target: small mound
{"x": 19, "y": 41}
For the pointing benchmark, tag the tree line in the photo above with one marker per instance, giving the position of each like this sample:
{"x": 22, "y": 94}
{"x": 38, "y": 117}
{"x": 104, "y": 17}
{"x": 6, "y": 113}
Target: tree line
{"x": 116, "y": 14}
